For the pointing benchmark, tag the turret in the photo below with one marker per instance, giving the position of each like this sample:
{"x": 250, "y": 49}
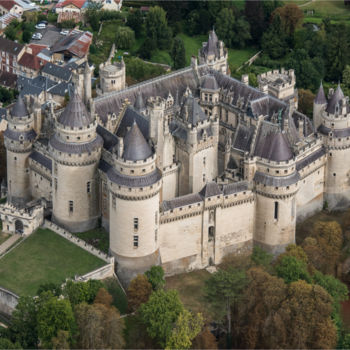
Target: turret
{"x": 335, "y": 132}
{"x": 76, "y": 150}
{"x": 320, "y": 103}
{"x": 19, "y": 137}
{"x": 134, "y": 184}
{"x": 276, "y": 183}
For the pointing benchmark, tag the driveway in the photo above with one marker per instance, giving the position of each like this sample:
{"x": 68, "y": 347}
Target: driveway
{"x": 50, "y": 35}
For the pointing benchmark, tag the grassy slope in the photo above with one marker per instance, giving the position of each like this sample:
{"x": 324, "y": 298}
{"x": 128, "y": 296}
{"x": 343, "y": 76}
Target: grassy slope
{"x": 44, "y": 257}
{"x": 334, "y": 9}
{"x": 3, "y": 237}
{"x": 97, "y": 237}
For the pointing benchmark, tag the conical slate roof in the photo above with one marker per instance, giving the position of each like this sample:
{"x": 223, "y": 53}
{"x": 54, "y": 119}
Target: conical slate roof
{"x": 139, "y": 104}
{"x": 211, "y": 47}
{"x": 335, "y": 99}
{"x": 19, "y": 109}
{"x": 209, "y": 82}
{"x": 320, "y": 98}
{"x": 75, "y": 114}
{"x": 277, "y": 148}
{"x": 195, "y": 112}
{"x": 135, "y": 145}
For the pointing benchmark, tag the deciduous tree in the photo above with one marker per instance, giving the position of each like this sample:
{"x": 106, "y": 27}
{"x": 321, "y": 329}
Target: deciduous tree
{"x": 178, "y": 53}
{"x": 155, "y": 276}
{"x": 138, "y": 292}
{"x": 306, "y": 102}
{"x": 125, "y": 37}
{"x": 292, "y": 269}
{"x": 103, "y": 297}
{"x": 291, "y": 17}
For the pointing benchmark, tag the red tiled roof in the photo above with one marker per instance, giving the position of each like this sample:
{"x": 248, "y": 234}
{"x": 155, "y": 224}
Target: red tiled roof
{"x": 78, "y": 3}
{"x": 69, "y": 16}
{"x": 31, "y": 61}
{"x": 8, "y": 79}
{"x": 36, "y": 48}
{"x": 7, "y": 4}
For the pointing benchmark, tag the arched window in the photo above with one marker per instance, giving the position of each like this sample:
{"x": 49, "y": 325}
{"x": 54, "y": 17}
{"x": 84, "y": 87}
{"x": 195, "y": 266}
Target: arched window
{"x": 276, "y": 211}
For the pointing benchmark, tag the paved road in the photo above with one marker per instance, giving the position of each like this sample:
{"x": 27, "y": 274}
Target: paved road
{"x": 8, "y": 243}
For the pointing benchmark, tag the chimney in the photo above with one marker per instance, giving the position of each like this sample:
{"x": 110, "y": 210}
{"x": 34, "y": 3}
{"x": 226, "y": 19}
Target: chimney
{"x": 301, "y": 128}
{"x": 245, "y": 79}
{"x": 194, "y": 62}
{"x": 264, "y": 88}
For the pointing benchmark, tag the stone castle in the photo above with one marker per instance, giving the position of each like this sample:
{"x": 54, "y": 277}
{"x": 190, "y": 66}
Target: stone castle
{"x": 182, "y": 169}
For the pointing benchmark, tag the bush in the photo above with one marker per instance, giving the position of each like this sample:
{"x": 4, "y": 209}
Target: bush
{"x": 125, "y": 37}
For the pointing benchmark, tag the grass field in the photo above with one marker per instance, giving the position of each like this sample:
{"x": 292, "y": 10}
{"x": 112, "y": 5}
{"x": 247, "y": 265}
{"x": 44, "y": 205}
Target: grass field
{"x": 44, "y": 257}
{"x": 333, "y": 9}
{"x": 98, "y": 237}
{"x": 3, "y": 237}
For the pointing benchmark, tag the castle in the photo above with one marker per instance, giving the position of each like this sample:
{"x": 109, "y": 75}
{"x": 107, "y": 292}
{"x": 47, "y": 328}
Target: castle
{"x": 182, "y": 169}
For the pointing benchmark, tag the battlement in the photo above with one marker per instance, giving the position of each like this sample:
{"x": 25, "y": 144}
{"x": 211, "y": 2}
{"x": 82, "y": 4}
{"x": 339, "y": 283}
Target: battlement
{"x": 278, "y": 78}
{"x": 156, "y": 102}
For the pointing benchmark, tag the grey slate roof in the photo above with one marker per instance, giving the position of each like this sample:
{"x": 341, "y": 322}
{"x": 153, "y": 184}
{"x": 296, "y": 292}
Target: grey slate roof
{"x": 335, "y": 100}
{"x": 135, "y": 145}
{"x": 128, "y": 119}
{"x": 243, "y": 137}
{"x": 310, "y": 158}
{"x": 182, "y": 201}
{"x": 235, "y": 187}
{"x": 59, "y": 72}
{"x": 109, "y": 139}
{"x": 320, "y": 98}
{"x": 276, "y": 181}
{"x": 211, "y": 48}
{"x": 139, "y": 104}
{"x": 60, "y": 89}
{"x": 134, "y": 181}
{"x": 41, "y": 159}
{"x": 76, "y": 148}
{"x": 272, "y": 144}
{"x": 192, "y": 112}
{"x": 209, "y": 82}
{"x": 3, "y": 113}
{"x": 19, "y": 135}
{"x": 19, "y": 109}
{"x": 210, "y": 189}
{"x": 336, "y": 132}
{"x": 75, "y": 114}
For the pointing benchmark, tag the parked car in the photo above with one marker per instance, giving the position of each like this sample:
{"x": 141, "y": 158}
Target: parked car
{"x": 40, "y": 26}
{"x": 44, "y": 22}
{"x": 64, "y": 32}
{"x": 37, "y": 36}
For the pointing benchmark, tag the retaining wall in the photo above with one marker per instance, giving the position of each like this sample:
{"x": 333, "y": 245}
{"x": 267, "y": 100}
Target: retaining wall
{"x": 8, "y": 301}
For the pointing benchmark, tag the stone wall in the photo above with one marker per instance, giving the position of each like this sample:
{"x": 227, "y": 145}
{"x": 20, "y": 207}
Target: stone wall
{"x": 98, "y": 274}
{"x": 8, "y": 301}
{"x": 79, "y": 242}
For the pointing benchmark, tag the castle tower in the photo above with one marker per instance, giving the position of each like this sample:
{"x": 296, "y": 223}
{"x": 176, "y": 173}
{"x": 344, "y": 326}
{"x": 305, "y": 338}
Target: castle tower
{"x": 197, "y": 137}
{"x": 112, "y": 75}
{"x": 19, "y": 137}
{"x": 81, "y": 79}
{"x": 134, "y": 188}
{"x": 335, "y": 133}
{"x": 209, "y": 92}
{"x": 76, "y": 150}
{"x": 320, "y": 104}
{"x": 214, "y": 54}
{"x": 276, "y": 183}
{"x": 87, "y": 83}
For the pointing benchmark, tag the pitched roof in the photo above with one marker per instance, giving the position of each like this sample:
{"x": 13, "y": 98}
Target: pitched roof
{"x": 320, "y": 98}
{"x": 7, "y": 4}
{"x": 209, "y": 82}
{"x": 8, "y": 79}
{"x": 192, "y": 112}
{"x": 210, "y": 189}
{"x": 10, "y": 46}
{"x": 135, "y": 145}
{"x": 62, "y": 73}
{"x": 75, "y": 114}
{"x": 77, "y": 3}
{"x": 19, "y": 109}
{"x": 335, "y": 100}
{"x": 31, "y": 61}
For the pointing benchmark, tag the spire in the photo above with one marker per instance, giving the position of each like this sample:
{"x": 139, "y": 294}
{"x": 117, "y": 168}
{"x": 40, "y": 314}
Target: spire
{"x": 320, "y": 98}
{"x": 135, "y": 145}
{"x": 139, "y": 104}
{"x": 75, "y": 114}
{"x": 87, "y": 67}
{"x": 335, "y": 99}
{"x": 19, "y": 109}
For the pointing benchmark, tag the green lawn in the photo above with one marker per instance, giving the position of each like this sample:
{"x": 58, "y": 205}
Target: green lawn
{"x": 3, "y": 237}
{"x": 98, "y": 237}
{"x": 237, "y": 57}
{"x": 192, "y": 45}
{"x": 334, "y": 9}
{"x": 44, "y": 257}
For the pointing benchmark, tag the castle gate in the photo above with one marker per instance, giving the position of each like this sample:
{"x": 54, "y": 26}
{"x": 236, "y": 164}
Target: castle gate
{"x": 19, "y": 227}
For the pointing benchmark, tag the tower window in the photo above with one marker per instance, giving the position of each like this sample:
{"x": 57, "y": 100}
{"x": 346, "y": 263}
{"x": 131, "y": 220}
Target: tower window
{"x": 114, "y": 202}
{"x": 88, "y": 187}
{"x": 136, "y": 224}
{"x": 203, "y": 177}
{"x": 136, "y": 241}
{"x": 156, "y": 217}
{"x": 55, "y": 184}
{"x": 276, "y": 211}
{"x": 204, "y": 160}
{"x": 15, "y": 158}
{"x": 71, "y": 207}
{"x": 156, "y": 235}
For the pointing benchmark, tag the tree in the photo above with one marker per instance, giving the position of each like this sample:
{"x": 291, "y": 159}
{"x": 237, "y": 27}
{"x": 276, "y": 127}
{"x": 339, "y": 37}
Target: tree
{"x": 61, "y": 341}
{"x": 346, "y": 76}
{"x": 103, "y": 297}
{"x": 233, "y": 31}
{"x": 55, "y": 289}
{"x": 254, "y": 12}
{"x": 178, "y": 53}
{"x": 78, "y": 292}
{"x": 292, "y": 269}
{"x": 23, "y": 326}
{"x": 11, "y": 32}
{"x": 93, "y": 14}
{"x": 261, "y": 257}
{"x": 273, "y": 41}
{"x": 306, "y": 102}
{"x": 160, "y": 313}
{"x": 125, "y": 37}
{"x": 291, "y": 17}
{"x": 147, "y": 48}
{"x": 8, "y": 344}
{"x": 135, "y": 20}
{"x": 223, "y": 290}
{"x": 155, "y": 276}
{"x": 99, "y": 326}
{"x": 53, "y": 315}
{"x": 138, "y": 292}
{"x": 205, "y": 340}
{"x": 187, "y": 327}
{"x": 157, "y": 27}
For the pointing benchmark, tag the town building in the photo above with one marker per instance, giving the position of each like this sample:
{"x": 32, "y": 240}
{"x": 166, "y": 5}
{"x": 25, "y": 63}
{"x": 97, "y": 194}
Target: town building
{"x": 183, "y": 169}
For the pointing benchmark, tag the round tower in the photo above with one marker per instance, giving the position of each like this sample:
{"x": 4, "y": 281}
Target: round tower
{"x": 276, "y": 183}
{"x": 320, "y": 103}
{"x": 19, "y": 137}
{"x": 75, "y": 150}
{"x": 335, "y": 132}
{"x": 134, "y": 184}
{"x": 112, "y": 76}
